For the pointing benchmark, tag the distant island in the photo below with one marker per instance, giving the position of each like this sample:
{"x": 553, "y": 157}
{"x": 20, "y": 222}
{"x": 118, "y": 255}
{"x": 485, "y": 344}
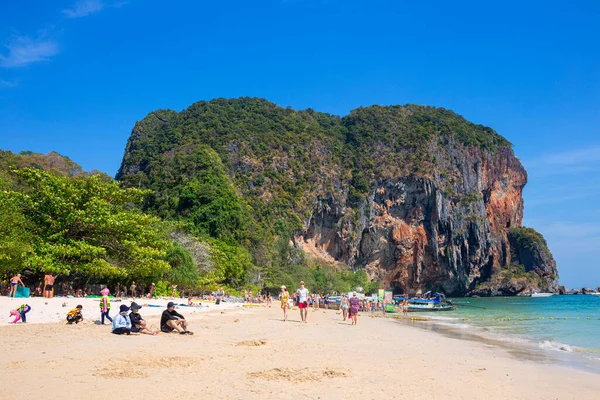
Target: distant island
{"x": 250, "y": 194}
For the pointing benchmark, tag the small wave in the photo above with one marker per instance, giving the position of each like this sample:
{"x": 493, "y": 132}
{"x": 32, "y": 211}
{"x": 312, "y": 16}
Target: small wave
{"x": 457, "y": 326}
{"x": 550, "y": 345}
{"x": 440, "y": 318}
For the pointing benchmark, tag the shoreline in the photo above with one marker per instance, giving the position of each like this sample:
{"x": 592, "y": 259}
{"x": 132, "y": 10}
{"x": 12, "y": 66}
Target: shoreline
{"x": 524, "y": 348}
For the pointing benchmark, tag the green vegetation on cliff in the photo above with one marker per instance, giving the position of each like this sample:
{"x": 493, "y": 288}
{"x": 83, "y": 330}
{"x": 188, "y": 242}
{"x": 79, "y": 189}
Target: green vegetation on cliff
{"x": 528, "y": 239}
{"x": 245, "y": 174}
{"x": 214, "y": 195}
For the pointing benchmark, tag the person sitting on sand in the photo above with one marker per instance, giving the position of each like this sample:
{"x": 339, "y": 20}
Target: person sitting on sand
{"x": 285, "y": 301}
{"x": 14, "y": 283}
{"x": 75, "y": 315}
{"x": 19, "y": 313}
{"x": 171, "y": 320}
{"x": 138, "y": 324}
{"x": 121, "y": 324}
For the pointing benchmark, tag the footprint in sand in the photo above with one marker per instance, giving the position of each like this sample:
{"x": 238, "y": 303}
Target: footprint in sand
{"x": 291, "y": 374}
{"x": 139, "y": 367}
{"x": 253, "y": 343}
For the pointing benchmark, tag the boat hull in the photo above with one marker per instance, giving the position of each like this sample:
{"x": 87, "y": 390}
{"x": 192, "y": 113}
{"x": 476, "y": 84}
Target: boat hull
{"x": 415, "y": 308}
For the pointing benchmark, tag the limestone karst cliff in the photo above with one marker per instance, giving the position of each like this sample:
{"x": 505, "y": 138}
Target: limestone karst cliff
{"x": 417, "y": 196}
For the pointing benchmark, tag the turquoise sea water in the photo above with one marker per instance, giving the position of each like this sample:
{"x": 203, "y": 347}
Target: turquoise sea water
{"x": 560, "y": 324}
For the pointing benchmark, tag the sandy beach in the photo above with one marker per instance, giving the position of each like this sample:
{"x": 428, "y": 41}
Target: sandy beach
{"x": 248, "y": 352}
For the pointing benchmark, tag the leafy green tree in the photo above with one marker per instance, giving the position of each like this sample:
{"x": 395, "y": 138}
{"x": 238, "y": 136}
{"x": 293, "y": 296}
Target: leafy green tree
{"x": 87, "y": 225}
{"x": 16, "y": 240}
{"x": 184, "y": 271}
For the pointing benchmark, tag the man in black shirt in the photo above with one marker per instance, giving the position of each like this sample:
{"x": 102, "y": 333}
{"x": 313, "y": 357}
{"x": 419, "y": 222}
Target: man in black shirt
{"x": 171, "y": 320}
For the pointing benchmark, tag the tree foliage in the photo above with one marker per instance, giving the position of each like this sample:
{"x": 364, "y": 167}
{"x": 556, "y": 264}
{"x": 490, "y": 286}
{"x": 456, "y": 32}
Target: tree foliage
{"x": 86, "y": 225}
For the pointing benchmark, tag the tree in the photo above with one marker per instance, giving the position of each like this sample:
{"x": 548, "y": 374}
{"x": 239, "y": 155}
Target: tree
{"x": 86, "y": 225}
{"x": 15, "y": 244}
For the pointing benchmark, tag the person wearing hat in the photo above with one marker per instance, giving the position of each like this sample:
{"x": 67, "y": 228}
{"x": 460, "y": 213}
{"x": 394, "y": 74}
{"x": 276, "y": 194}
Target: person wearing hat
{"x": 285, "y": 301}
{"x": 302, "y": 296}
{"x": 121, "y": 323}
{"x": 138, "y": 324}
{"x": 171, "y": 321}
{"x": 354, "y": 307}
{"x": 105, "y": 305}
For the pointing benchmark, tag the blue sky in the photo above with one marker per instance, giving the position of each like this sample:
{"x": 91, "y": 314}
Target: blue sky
{"x": 76, "y": 75}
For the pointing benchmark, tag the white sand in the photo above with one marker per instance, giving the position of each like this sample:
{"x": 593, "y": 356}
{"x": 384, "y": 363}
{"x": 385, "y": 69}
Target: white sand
{"x": 249, "y": 353}
{"x": 55, "y": 310}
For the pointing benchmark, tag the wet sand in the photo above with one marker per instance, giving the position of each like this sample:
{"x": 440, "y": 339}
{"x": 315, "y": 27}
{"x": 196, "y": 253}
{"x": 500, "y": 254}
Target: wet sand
{"x": 248, "y": 353}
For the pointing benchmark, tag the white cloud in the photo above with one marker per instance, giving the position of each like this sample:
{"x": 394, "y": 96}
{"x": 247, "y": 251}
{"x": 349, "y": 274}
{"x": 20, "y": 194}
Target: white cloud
{"x": 23, "y": 50}
{"x": 5, "y": 83}
{"x": 82, "y": 8}
{"x": 568, "y": 162}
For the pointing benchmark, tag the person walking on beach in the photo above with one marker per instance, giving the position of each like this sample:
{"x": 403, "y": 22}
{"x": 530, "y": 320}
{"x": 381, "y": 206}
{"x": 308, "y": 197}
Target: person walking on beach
{"x": 285, "y": 301}
{"x": 14, "y": 283}
{"x": 75, "y": 315}
{"x": 105, "y": 306}
{"x": 344, "y": 305}
{"x": 354, "y": 307}
{"x": 171, "y": 320}
{"x": 49, "y": 286}
{"x": 132, "y": 290}
{"x": 405, "y": 306}
{"x": 302, "y": 294}
{"x": 121, "y": 325}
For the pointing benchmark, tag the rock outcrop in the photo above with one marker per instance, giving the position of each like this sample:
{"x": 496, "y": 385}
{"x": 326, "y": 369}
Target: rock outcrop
{"x": 417, "y": 196}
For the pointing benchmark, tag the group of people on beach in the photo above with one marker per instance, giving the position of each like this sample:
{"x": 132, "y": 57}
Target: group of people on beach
{"x": 122, "y": 323}
{"x": 47, "y": 289}
{"x": 350, "y": 306}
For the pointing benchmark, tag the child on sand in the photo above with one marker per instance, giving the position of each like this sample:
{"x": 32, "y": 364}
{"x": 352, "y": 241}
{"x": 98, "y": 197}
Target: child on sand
{"x": 285, "y": 299}
{"x": 137, "y": 322}
{"x": 75, "y": 315}
{"x": 105, "y": 305}
{"x": 19, "y": 313}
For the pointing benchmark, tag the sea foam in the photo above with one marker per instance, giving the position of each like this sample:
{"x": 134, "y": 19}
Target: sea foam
{"x": 556, "y": 346}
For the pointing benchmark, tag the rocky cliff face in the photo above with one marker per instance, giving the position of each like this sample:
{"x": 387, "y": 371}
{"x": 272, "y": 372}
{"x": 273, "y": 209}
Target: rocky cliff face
{"x": 418, "y": 197}
{"x": 421, "y": 233}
